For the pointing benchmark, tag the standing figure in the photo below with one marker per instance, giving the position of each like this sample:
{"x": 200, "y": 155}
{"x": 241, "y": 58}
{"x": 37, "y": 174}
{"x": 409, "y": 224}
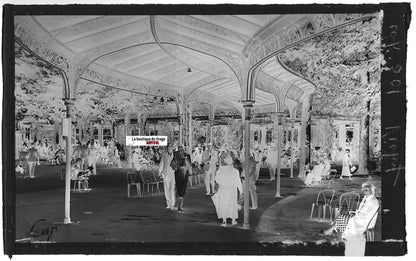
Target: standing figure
{"x": 104, "y": 153}
{"x": 181, "y": 164}
{"x": 346, "y": 165}
{"x": 117, "y": 152}
{"x": 92, "y": 158}
{"x": 251, "y": 179}
{"x": 213, "y": 164}
{"x": 257, "y": 159}
{"x": 272, "y": 163}
{"x": 33, "y": 160}
{"x": 197, "y": 156}
{"x": 206, "y": 155}
{"x": 83, "y": 154}
{"x": 136, "y": 159}
{"x": 225, "y": 200}
{"x": 168, "y": 175}
{"x": 23, "y": 159}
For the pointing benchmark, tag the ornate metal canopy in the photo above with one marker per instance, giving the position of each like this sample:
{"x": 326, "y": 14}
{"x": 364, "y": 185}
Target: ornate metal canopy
{"x": 204, "y": 59}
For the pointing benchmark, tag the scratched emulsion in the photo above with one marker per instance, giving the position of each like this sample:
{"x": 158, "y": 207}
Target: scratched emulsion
{"x": 393, "y": 125}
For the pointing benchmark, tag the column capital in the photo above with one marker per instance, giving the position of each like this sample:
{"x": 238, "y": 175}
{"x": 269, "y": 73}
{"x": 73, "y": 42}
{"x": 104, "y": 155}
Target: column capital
{"x": 277, "y": 116}
{"x": 69, "y": 101}
{"x": 247, "y": 103}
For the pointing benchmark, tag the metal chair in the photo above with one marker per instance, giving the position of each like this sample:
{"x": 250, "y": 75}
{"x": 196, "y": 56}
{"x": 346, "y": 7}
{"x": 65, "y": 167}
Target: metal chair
{"x": 134, "y": 179}
{"x": 322, "y": 203}
{"x": 369, "y": 231}
{"x": 150, "y": 180}
{"x": 157, "y": 179}
{"x": 81, "y": 181}
{"x": 147, "y": 180}
{"x": 348, "y": 202}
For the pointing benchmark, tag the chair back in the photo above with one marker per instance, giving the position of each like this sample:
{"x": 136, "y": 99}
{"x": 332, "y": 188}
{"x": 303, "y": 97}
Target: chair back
{"x": 133, "y": 177}
{"x": 147, "y": 176}
{"x": 349, "y": 201}
{"x": 155, "y": 175}
{"x": 372, "y": 223}
{"x": 325, "y": 196}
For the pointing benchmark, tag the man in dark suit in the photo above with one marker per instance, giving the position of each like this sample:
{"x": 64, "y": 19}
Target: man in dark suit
{"x": 251, "y": 179}
{"x": 181, "y": 164}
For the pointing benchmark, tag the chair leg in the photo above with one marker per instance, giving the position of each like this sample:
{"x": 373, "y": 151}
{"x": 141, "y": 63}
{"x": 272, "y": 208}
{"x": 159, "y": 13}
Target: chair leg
{"x": 313, "y": 206}
{"x": 139, "y": 190}
{"x": 319, "y": 214}
{"x": 128, "y": 190}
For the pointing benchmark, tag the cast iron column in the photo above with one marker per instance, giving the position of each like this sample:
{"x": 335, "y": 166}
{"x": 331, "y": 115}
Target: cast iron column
{"x": 292, "y": 151}
{"x": 69, "y": 103}
{"x": 276, "y": 121}
{"x": 304, "y": 122}
{"x": 248, "y": 105}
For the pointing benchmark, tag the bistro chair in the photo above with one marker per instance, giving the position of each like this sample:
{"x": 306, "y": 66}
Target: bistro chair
{"x": 134, "y": 179}
{"x": 369, "y": 231}
{"x": 322, "y": 204}
{"x": 157, "y": 179}
{"x": 348, "y": 203}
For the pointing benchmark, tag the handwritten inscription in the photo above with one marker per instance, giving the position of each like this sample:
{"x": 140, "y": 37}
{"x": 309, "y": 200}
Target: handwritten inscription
{"x": 391, "y": 136}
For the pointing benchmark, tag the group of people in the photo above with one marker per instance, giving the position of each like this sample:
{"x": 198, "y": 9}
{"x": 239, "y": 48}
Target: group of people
{"x": 175, "y": 168}
{"x": 29, "y": 158}
{"x": 322, "y": 168}
{"x": 31, "y": 155}
{"x": 223, "y": 175}
{"x": 91, "y": 152}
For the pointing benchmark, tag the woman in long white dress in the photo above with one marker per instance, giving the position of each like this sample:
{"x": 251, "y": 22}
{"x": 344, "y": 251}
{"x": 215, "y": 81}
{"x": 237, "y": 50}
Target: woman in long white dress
{"x": 229, "y": 182}
{"x": 352, "y": 226}
{"x": 346, "y": 165}
{"x": 168, "y": 174}
{"x": 271, "y": 161}
{"x": 136, "y": 159}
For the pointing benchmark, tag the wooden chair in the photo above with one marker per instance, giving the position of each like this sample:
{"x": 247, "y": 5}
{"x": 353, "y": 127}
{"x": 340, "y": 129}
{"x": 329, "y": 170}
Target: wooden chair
{"x": 134, "y": 179}
{"x": 348, "y": 202}
{"x": 369, "y": 231}
{"x": 323, "y": 202}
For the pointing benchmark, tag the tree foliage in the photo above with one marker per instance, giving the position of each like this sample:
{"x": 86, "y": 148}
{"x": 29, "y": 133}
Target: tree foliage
{"x": 38, "y": 89}
{"x": 345, "y": 66}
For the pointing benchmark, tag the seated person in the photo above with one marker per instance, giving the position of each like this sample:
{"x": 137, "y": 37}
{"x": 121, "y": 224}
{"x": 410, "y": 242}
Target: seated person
{"x": 315, "y": 174}
{"x": 78, "y": 174}
{"x": 350, "y": 225}
{"x": 319, "y": 171}
{"x": 327, "y": 166}
{"x": 59, "y": 155}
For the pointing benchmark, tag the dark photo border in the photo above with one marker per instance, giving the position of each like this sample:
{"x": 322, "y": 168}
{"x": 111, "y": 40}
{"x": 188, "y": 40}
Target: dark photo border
{"x": 396, "y": 22}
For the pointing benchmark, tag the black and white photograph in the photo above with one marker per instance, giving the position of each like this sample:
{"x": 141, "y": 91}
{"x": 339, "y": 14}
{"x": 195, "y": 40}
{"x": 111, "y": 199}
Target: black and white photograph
{"x": 205, "y": 129}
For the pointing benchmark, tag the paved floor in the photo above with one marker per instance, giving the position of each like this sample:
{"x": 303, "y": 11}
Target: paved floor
{"x": 105, "y": 214}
